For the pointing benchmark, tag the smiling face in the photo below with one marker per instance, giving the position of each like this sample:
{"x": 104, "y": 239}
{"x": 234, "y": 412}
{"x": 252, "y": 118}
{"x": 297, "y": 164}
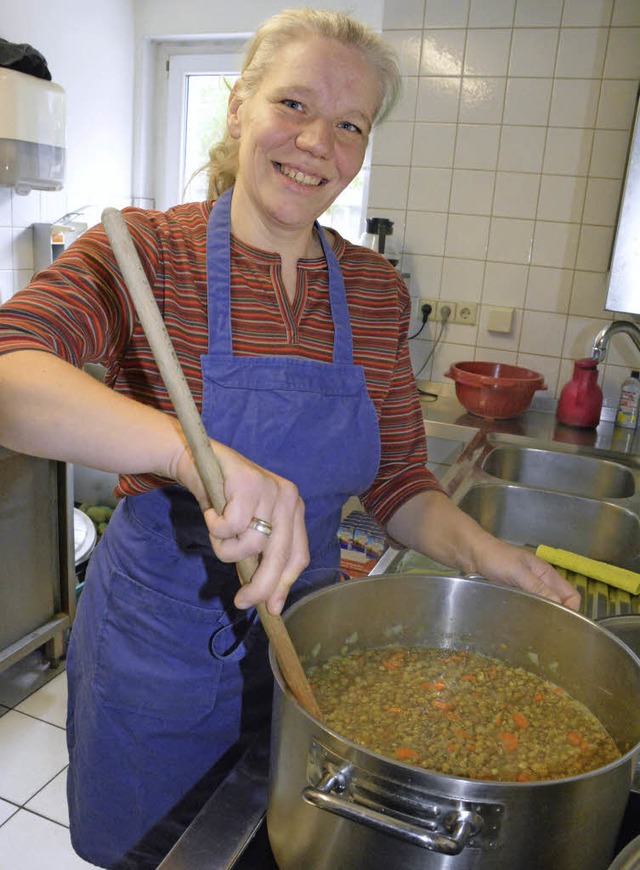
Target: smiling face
{"x": 302, "y": 136}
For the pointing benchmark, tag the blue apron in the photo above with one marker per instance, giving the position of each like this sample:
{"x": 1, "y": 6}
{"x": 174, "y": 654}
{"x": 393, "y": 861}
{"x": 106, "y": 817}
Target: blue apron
{"x": 167, "y": 680}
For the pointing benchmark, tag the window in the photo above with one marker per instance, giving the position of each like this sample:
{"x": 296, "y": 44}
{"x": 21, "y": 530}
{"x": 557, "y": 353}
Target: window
{"x": 197, "y": 87}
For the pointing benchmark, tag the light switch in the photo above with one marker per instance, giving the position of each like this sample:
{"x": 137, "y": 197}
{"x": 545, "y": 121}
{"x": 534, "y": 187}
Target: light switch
{"x": 500, "y": 320}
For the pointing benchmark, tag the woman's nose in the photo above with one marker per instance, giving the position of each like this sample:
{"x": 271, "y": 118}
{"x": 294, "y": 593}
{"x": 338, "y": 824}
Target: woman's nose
{"x": 316, "y": 137}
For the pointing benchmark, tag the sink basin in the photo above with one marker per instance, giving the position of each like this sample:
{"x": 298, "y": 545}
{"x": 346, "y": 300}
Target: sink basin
{"x": 528, "y": 517}
{"x": 565, "y": 472}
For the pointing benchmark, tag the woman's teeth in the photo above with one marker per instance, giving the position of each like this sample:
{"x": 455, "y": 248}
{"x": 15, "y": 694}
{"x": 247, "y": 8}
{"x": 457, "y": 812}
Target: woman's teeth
{"x": 300, "y": 177}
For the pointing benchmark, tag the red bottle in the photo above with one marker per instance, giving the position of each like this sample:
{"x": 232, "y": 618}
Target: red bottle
{"x": 580, "y": 401}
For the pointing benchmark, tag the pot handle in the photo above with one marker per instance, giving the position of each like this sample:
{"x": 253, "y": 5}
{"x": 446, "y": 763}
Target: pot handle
{"x": 461, "y": 825}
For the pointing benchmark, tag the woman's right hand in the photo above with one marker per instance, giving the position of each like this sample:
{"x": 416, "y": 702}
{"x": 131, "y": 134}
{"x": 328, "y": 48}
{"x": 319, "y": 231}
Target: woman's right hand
{"x": 252, "y": 491}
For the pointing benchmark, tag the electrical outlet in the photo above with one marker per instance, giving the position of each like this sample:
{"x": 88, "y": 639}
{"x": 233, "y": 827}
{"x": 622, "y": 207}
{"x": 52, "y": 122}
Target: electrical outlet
{"x": 467, "y": 313}
{"x": 423, "y": 300}
{"x": 452, "y": 311}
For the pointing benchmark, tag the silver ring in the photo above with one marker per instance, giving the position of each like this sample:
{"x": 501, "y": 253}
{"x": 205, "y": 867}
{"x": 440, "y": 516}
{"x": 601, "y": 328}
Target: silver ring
{"x": 261, "y": 526}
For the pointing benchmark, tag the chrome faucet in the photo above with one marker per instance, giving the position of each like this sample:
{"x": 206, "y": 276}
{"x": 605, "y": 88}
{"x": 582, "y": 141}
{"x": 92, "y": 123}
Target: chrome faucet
{"x": 602, "y": 339}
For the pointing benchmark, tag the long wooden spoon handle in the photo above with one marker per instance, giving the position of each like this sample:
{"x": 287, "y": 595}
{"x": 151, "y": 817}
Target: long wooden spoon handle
{"x": 204, "y": 456}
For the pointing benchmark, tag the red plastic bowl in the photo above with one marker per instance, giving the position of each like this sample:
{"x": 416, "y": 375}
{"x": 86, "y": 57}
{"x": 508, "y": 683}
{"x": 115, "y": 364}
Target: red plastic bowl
{"x": 494, "y": 390}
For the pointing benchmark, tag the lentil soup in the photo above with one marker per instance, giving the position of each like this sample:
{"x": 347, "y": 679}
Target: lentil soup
{"x": 459, "y": 713}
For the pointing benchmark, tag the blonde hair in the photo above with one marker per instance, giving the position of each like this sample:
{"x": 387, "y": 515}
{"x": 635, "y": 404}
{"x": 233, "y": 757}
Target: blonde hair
{"x": 270, "y": 37}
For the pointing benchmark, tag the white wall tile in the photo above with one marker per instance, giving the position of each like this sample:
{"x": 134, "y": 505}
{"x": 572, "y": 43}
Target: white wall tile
{"x": 491, "y": 13}
{"x": 594, "y": 248}
{"x": 555, "y": 244}
{"x": 407, "y": 45}
{"x": 602, "y": 200}
{"x": 477, "y": 146}
{"x": 521, "y": 149}
{"x": 561, "y": 197}
{"x": 511, "y": 240}
{"x": 579, "y": 336}
{"x": 588, "y": 294}
{"x": 438, "y": 98}
{"x": 533, "y": 52}
{"x": 388, "y": 187}
{"x": 392, "y": 143}
{"x": 434, "y": 144}
{"x": 409, "y": 13}
{"x": 429, "y": 189}
{"x": 547, "y": 366}
{"x": 567, "y": 151}
{"x": 617, "y": 104}
{"x": 527, "y": 102}
{"x": 481, "y": 100}
{"x": 538, "y": 13}
{"x": 6, "y": 284}
{"x": 5, "y": 206}
{"x": 626, "y": 13}
{"x": 467, "y": 236}
{"x": 587, "y": 13}
{"x": 446, "y": 13}
{"x": 581, "y": 53}
{"x": 487, "y": 52}
{"x": 505, "y": 285}
{"x": 426, "y": 273}
{"x": 574, "y": 102}
{"x": 542, "y": 332}
{"x": 25, "y": 209}
{"x": 549, "y": 289}
{"x": 425, "y": 233}
{"x": 472, "y": 191}
{"x": 516, "y": 195}
{"x": 462, "y": 282}
{"x": 6, "y": 248}
{"x": 442, "y": 52}
{"x": 405, "y": 108}
{"x": 609, "y": 157}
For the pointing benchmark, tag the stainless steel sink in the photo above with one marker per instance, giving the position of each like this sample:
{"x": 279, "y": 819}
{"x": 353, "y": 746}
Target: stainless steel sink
{"x": 531, "y": 491}
{"x": 565, "y": 472}
{"x": 592, "y": 527}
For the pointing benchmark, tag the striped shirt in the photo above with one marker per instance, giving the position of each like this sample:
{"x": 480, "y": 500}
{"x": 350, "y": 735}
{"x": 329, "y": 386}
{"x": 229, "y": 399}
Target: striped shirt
{"x": 80, "y": 310}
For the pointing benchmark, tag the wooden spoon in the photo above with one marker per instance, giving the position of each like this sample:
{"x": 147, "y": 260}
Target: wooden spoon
{"x": 197, "y": 438}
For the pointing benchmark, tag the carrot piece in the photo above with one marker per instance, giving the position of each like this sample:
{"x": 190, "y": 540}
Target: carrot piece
{"x": 574, "y": 737}
{"x": 395, "y": 709}
{"x": 522, "y": 777}
{"x": 520, "y": 719}
{"x": 538, "y": 697}
{"x": 462, "y": 733}
{"x": 509, "y": 741}
{"x": 440, "y": 705}
{"x": 451, "y": 747}
{"x": 405, "y": 753}
{"x": 437, "y": 685}
{"x": 395, "y": 661}
{"x": 469, "y": 678}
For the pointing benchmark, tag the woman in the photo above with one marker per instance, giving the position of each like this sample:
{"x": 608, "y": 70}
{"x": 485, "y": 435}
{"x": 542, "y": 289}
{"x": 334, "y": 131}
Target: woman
{"x": 294, "y": 344}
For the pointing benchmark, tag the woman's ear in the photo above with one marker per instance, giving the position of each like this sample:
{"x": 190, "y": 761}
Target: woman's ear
{"x": 233, "y": 118}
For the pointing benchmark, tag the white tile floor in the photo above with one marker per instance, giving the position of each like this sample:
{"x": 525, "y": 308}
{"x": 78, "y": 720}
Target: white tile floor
{"x": 34, "y": 822}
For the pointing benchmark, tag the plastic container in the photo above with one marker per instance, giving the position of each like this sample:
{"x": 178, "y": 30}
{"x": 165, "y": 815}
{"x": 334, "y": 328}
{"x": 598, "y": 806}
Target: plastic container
{"x": 494, "y": 390}
{"x": 627, "y": 414}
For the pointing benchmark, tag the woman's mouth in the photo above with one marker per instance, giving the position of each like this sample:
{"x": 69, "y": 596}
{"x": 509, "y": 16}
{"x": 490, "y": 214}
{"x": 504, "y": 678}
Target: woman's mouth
{"x": 299, "y": 177}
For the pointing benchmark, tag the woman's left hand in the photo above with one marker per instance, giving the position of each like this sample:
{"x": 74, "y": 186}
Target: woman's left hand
{"x": 432, "y": 524}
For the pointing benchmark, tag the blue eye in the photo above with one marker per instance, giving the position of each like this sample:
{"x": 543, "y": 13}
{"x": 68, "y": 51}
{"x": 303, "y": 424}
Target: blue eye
{"x": 293, "y": 104}
{"x": 347, "y": 125}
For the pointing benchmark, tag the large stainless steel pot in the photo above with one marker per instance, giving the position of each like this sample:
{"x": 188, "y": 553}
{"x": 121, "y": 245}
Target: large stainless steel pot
{"x": 333, "y": 804}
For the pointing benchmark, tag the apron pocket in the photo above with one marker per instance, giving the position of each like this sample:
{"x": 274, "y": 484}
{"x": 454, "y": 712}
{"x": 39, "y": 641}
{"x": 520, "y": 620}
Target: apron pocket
{"x": 153, "y": 653}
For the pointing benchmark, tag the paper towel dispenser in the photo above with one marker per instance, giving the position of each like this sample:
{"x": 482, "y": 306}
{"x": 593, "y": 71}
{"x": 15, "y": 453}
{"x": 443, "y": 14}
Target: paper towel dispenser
{"x": 32, "y": 132}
